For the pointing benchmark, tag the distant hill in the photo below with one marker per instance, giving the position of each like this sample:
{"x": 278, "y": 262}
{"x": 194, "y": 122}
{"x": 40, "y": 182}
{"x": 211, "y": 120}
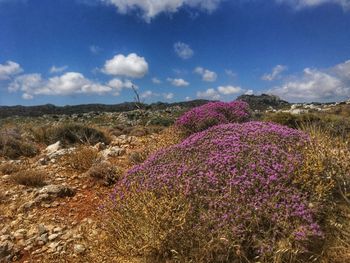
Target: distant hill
{"x": 35, "y": 111}
{"x": 264, "y": 101}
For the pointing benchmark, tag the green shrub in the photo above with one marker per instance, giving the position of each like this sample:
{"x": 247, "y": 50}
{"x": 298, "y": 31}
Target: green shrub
{"x": 161, "y": 121}
{"x": 70, "y": 134}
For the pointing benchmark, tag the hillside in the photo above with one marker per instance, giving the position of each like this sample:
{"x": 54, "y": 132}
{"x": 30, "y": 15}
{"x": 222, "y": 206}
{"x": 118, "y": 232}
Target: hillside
{"x": 36, "y": 111}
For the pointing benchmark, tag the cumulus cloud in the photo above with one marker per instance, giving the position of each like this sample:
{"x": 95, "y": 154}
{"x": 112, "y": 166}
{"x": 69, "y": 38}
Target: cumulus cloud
{"x": 151, "y": 8}
{"x": 206, "y": 74}
{"x": 131, "y": 65}
{"x": 55, "y": 69}
{"x": 168, "y": 96}
{"x": 249, "y": 92}
{"x": 229, "y": 90}
{"x": 8, "y": 69}
{"x": 183, "y": 50}
{"x": 299, "y": 4}
{"x": 276, "y": 72}
{"x": 69, "y": 83}
{"x": 317, "y": 85}
{"x": 156, "y": 81}
{"x": 216, "y": 94}
{"x": 118, "y": 85}
{"x": 210, "y": 94}
{"x": 178, "y": 82}
{"x": 147, "y": 94}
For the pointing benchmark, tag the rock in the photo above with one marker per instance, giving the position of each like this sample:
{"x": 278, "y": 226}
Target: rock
{"x": 53, "y": 148}
{"x": 113, "y": 152}
{"x": 42, "y": 229}
{"x": 56, "y": 191}
{"x": 44, "y": 238}
{"x": 53, "y": 237}
{"x": 5, "y": 238}
{"x": 79, "y": 249}
{"x": 20, "y": 234}
{"x": 27, "y": 206}
{"x": 100, "y": 146}
{"x": 57, "y": 230}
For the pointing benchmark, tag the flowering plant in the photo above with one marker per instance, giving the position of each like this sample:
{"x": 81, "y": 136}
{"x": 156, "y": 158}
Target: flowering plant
{"x": 230, "y": 191}
{"x": 211, "y": 114}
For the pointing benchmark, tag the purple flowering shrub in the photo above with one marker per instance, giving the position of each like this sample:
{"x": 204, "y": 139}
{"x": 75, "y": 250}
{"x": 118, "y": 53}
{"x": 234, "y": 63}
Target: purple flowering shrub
{"x": 225, "y": 194}
{"x": 211, "y": 114}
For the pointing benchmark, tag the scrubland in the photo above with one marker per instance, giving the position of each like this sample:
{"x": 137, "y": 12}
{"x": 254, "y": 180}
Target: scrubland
{"x": 216, "y": 183}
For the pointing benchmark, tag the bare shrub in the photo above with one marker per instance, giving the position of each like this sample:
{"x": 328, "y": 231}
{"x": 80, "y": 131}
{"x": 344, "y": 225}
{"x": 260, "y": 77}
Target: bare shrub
{"x": 136, "y": 157}
{"x": 9, "y": 168}
{"x": 29, "y": 177}
{"x": 13, "y": 146}
{"x": 82, "y": 158}
{"x": 105, "y": 173}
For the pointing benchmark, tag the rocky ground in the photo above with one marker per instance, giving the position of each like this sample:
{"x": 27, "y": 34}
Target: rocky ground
{"x": 57, "y": 222}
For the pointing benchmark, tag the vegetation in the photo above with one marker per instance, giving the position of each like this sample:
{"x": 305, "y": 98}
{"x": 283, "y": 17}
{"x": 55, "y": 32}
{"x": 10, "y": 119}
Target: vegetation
{"x": 214, "y": 187}
{"x": 70, "y": 134}
{"x": 9, "y": 168}
{"x": 211, "y": 114}
{"x": 105, "y": 173}
{"x": 13, "y": 145}
{"x": 82, "y": 158}
{"x": 29, "y": 177}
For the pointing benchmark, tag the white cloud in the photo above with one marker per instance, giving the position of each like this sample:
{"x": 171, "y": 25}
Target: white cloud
{"x": 55, "y": 69}
{"x": 211, "y": 94}
{"x": 168, "y": 96}
{"x": 147, "y": 94}
{"x": 229, "y": 90}
{"x": 178, "y": 82}
{"x": 95, "y": 49}
{"x": 183, "y": 50}
{"x": 131, "y": 66}
{"x": 156, "y": 81}
{"x": 317, "y": 85}
{"x": 249, "y": 92}
{"x": 230, "y": 73}
{"x": 299, "y": 4}
{"x": 188, "y": 98}
{"x": 26, "y": 83}
{"x": 67, "y": 84}
{"x": 118, "y": 85}
{"x": 151, "y": 8}
{"x": 276, "y": 72}
{"x": 206, "y": 74}
{"x": 8, "y": 69}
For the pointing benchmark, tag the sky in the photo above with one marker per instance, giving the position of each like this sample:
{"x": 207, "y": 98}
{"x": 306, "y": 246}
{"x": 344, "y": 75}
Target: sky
{"x": 67, "y": 52}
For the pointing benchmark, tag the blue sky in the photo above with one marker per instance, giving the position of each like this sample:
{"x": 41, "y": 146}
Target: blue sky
{"x": 93, "y": 51}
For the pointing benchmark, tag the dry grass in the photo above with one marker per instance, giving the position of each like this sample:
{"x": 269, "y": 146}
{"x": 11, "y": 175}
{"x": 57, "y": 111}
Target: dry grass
{"x": 82, "y": 158}
{"x": 29, "y": 177}
{"x": 330, "y": 157}
{"x": 9, "y": 168}
{"x": 2, "y": 198}
{"x": 13, "y": 146}
{"x": 104, "y": 173}
{"x": 152, "y": 224}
